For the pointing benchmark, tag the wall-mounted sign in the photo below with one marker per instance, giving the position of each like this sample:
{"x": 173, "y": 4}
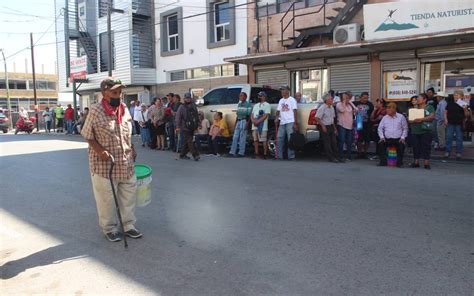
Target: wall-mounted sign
{"x": 197, "y": 93}
{"x": 453, "y": 82}
{"x": 414, "y": 17}
{"x": 400, "y": 85}
{"x": 78, "y": 68}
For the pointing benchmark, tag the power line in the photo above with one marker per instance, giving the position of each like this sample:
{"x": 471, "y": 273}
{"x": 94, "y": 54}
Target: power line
{"x": 158, "y": 23}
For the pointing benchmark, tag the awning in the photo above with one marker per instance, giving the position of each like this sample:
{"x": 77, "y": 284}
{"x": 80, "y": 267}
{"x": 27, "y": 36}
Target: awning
{"x": 357, "y": 48}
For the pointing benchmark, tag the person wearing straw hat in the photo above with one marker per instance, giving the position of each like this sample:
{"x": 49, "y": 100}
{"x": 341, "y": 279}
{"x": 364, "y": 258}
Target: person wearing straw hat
{"x": 439, "y": 117}
{"x": 108, "y": 131}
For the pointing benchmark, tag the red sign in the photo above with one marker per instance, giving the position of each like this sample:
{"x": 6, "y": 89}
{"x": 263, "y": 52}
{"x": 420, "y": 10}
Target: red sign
{"x": 78, "y": 68}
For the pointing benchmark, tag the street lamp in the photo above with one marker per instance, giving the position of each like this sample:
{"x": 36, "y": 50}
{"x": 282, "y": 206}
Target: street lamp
{"x": 8, "y": 89}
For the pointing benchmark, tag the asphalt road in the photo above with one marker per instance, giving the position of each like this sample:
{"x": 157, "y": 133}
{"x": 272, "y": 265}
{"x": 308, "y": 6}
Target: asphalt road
{"x": 236, "y": 227}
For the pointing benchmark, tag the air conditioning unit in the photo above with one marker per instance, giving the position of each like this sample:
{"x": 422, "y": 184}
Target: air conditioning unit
{"x": 346, "y": 34}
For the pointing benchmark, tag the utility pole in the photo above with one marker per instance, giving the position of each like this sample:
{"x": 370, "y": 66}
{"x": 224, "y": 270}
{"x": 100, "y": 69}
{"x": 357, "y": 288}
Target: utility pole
{"x": 34, "y": 81}
{"x": 8, "y": 90}
{"x": 110, "y": 9}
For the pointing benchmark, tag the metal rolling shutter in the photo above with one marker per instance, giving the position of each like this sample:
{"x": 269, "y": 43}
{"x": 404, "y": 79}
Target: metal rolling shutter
{"x": 399, "y": 65}
{"x": 274, "y": 78}
{"x": 353, "y": 77}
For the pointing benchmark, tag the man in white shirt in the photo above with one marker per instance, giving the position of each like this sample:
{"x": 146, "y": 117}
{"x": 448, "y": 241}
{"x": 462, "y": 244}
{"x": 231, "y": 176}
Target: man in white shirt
{"x": 136, "y": 116}
{"x": 286, "y": 120}
{"x": 392, "y": 130}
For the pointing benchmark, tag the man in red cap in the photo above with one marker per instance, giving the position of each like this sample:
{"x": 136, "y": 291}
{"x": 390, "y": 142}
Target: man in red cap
{"x": 108, "y": 131}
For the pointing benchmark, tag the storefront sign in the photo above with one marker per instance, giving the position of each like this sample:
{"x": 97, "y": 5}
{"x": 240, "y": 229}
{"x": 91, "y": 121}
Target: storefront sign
{"x": 78, "y": 68}
{"x": 453, "y": 82}
{"x": 415, "y": 17}
{"x": 400, "y": 85}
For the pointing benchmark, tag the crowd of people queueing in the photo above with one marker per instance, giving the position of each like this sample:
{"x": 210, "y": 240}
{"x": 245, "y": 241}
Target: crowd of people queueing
{"x": 344, "y": 121}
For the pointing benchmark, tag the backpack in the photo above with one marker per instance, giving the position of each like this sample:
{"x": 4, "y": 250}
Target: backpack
{"x": 297, "y": 141}
{"x": 191, "y": 118}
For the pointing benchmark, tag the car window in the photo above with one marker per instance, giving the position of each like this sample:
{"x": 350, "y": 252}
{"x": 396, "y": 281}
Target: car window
{"x": 232, "y": 95}
{"x": 215, "y": 97}
{"x": 273, "y": 95}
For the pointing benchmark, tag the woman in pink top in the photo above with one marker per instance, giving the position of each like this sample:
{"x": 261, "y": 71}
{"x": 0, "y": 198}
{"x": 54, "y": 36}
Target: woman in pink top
{"x": 345, "y": 122}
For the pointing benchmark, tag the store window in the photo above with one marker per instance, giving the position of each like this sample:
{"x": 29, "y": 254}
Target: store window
{"x": 448, "y": 75}
{"x": 312, "y": 83}
{"x": 433, "y": 76}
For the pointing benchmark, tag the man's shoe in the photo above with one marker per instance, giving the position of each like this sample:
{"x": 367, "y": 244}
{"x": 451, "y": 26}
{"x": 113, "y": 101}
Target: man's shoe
{"x": 240, "y": 155}
{"x": 427, "y": 167}
{"x": 184, "y": 157}
{"x": 381, "y": 164}
{"x": 113, "y": 236}
{"x": 133, "y": 233}
{"x": 197, "y": 158}
{"x": 230, "y": 155}
{"x": 414, "y": 165}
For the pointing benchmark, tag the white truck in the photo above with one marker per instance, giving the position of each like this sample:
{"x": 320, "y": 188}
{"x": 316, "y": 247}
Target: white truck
{"x": 225, "y": 99}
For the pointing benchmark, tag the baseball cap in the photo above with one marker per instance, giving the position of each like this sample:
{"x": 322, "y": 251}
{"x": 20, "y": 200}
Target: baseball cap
{"x": 441, "y": 94}
{"x": 284, "y": 87}
{"x": 262, "y": 94}
{"x": 111, "y": 83}
{"x": 187, "y": 95}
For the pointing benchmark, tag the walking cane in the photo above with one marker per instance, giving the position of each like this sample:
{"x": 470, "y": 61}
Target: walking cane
{"x": 276, "y": 140}
{"x": 116, "y": 202}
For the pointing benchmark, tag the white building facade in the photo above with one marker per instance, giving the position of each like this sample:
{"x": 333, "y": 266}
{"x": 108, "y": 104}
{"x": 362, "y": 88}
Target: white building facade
{"x": 86, "y": 34}
{"x": 192, "y": 40}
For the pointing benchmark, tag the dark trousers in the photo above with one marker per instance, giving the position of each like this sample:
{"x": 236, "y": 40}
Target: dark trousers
{"x": 137, "y": 127}
{"x": 422, "y": 146}
{"x": 215, "y": 143}
{"x": 383, "y": 150}
{"x": 330, "y": 143}
{"x": 188, "y": 145}
{"x": 199, "y": 139}
{"x": 171, "y": 134}
{"x": 345, "y": 137}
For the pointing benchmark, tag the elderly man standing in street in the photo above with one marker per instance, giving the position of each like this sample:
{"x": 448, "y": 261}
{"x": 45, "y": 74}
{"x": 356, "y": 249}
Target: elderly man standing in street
{"x": 108, "y": 131}
{"x": 392, "y": 130}
{"x": 325, "y": 118}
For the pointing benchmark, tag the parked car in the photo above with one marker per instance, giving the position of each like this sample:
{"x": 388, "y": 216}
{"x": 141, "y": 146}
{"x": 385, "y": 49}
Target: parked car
{"x": 225, "y": 99}
{"x": 4, "y": 123}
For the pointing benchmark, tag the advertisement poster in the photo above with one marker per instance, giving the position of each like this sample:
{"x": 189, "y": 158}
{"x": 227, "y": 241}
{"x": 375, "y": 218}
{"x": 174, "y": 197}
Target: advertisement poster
{"x": 462, "y": 81}
{"x": 78, "y": 68}
{"x": 400, "y": 85}
{"x": 416, "y": 17}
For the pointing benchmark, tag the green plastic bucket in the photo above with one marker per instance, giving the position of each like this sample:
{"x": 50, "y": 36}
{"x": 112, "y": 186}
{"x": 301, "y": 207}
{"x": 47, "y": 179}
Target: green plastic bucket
{"x": 143, "y": 173}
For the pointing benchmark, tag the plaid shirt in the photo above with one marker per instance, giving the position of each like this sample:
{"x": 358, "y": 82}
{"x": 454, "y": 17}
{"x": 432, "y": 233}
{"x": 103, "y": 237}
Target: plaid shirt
{"x": 115, "y": 138}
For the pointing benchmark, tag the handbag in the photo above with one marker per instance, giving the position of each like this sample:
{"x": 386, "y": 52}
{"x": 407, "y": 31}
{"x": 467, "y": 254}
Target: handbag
{"x": 297, "y": 141}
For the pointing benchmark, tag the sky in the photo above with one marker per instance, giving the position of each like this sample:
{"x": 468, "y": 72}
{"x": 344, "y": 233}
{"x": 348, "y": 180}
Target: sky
{"x": 17, "y": 19}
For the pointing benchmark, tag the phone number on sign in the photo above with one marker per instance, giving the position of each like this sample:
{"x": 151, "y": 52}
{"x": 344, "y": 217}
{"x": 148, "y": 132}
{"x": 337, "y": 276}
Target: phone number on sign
{"x": 402, "y": 92}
